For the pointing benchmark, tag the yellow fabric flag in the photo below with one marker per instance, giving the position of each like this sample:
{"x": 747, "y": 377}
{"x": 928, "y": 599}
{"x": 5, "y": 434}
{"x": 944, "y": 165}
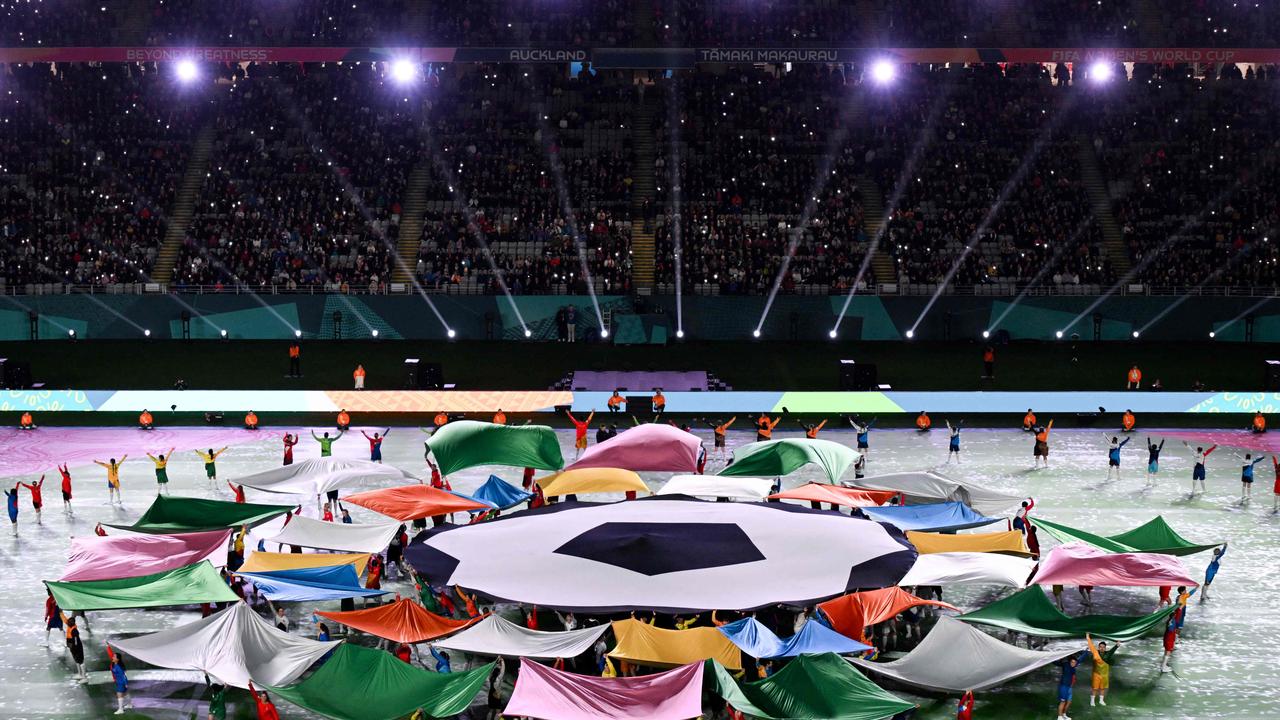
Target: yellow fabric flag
{"x": 645, "y": 644}
{"x": 1010, "y": 542}
{"x": 268, "y": 561}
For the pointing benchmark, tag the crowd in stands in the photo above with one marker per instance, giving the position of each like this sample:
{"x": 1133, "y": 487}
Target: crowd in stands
{"x": 89, "y": 159}
{"x": 532, "y": 182}
{"x": 390, "y": 23}
{"x": 512, "y": 177}
{"x": 607, "y": 23}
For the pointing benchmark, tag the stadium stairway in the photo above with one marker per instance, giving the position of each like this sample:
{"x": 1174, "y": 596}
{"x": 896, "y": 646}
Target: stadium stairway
{"x": 413, "y": 209}
{"x": 1100, "y": 199}
{"x": 882, "y": 267}
{"x": 184, "y": 205}
{"x": 642, "y": 243}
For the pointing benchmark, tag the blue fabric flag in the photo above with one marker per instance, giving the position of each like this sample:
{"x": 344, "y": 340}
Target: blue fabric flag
{"x": 309, "y": 584}
{"x": 937, "y": 517}
{"x": 814, "y": 638}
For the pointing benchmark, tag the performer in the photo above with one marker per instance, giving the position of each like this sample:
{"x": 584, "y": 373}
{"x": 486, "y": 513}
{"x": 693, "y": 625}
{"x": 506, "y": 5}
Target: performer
{"x": 343, "y": 421}
{"x": 1127, "y": 421}
{"x": 1212, "y": 571}
{"x": 251, "y": 420}
{"x": 1197, "y": 472}
{"x": 26, "y": 422}
{"x": 66, "y": 488}
{"x": 37, "y": 496}
{"x": 162, "y": 473}
{"x": 923, "y": 423}
{"x": 1041, "y": 450}
{"x": 616, "y": 402}
{"x": 964, "y": 710}
{"x": 122, "y": 682}
{"x": 811, "y": 431}
{"x": 145, "y": 421}
{"x": 375, "y": 444}
{"x": 1246, "y": 476}
{"x": 864, "y": 434}
{"x": 718, "y": 430}
{"x": 1028, "y": 421}
{"x": 1259, "y": 423}
{"x": 765, "y": 426}
{"x": 266, "y": 709}
{"x": 953, "y": 444}
{"x": 326, "y": 442}
{"x": 113, "y": 477}
{"x": 1066, "y": 684}
{"x": 579, "y": 432}
{"x": 289, "y": 442}
{"x": 11, "y": 496}
{"x": 1101, "y": 680}
{"x": 210, "y": 468}
{"x": 1113, "y": 455}
{"x": 1153, "y": 460}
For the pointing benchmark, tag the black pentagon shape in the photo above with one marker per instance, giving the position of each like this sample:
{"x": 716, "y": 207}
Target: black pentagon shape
{"x": 658, "y": 548}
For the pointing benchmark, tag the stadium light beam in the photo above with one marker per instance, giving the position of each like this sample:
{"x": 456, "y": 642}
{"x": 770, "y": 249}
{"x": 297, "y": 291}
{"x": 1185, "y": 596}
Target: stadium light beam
{"x": 1035, "y": 279}
{"x": 825, "y": 170}
{"x": 551, "y": 148}
{"x": 462, "y": 203}
{"x": 1247, "y": 311}
{"x": 674, "y": 181}
{"x": 1010, "y": 185}
{"x": 899, "y": 188}
{"x": 1168, "y": 242}
{"x": 1194, "y": 291}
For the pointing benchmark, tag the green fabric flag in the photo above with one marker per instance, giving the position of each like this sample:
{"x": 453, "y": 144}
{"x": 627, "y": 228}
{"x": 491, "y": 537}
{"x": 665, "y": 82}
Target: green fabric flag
{"x": 169, "y": 514}
{"x": 467, "y": 443}
{"x": 1030, "y": 611}
{"x": 1154, "y": 536}
{"x": 361, "y": 683}
{"x": 190, "y": 585}
{"x": 809, "y": 687}
{"x": 783, "y": 457}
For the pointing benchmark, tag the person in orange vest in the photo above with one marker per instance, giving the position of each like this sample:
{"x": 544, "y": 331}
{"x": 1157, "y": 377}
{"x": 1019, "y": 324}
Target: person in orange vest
{"x": 659, "y": 401}
{"x": 1259, "y": 423}
{"x": 1127, "y": 421}
{"x": 441, "y": 419}
{"x": 1028, "y": 421}
{"x": 295, "y": 359}
{"x": 358, "y": 376}
{"x": 923, "y": 423}
{"x": 765, "y": 426}
{"x": 499, "y": 418}
{"x": 1041, "y": 449}
{"x": 616, "y": 402}
{"x": 1135, "y": 379}
{"x": 344, "y": 420}
{"x": 145, "y": 421}
{"x": 26, "y": 422}
{"x": 251, "y": 420}
{"x": 811, "y": 431}
{"x": 989, "y": 363}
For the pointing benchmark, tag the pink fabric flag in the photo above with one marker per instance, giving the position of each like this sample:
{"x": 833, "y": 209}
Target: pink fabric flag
{"x": 653, "y": 447}
{"x": 125, "y": 556}
{"x": 548, "y": 694}
{"x": 1077, "y": 563}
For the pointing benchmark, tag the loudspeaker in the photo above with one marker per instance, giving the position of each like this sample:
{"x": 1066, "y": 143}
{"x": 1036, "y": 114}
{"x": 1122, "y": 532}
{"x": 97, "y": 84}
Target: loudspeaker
{"x": 640, "y": 404}
{"x": 857, "y": 376}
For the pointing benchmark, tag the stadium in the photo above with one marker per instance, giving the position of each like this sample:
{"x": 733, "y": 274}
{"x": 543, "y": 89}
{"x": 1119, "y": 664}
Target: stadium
{"x": 799, "y": 359}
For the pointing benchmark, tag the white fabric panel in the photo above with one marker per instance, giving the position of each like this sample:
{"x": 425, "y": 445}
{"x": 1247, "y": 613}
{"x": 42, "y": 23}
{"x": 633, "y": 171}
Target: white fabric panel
{"x": 930, "y": 487}
{"x": 320, "y": 475}
{"x": 969, "y": 568}
{"x": 716, "y": 486}
{"x": 729, "y": 556}
{"x": 955, "y": 657}
{"x": 496, "y": 636}
{"x": 362, "y": 537}
{"x": 234, "y": 646}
